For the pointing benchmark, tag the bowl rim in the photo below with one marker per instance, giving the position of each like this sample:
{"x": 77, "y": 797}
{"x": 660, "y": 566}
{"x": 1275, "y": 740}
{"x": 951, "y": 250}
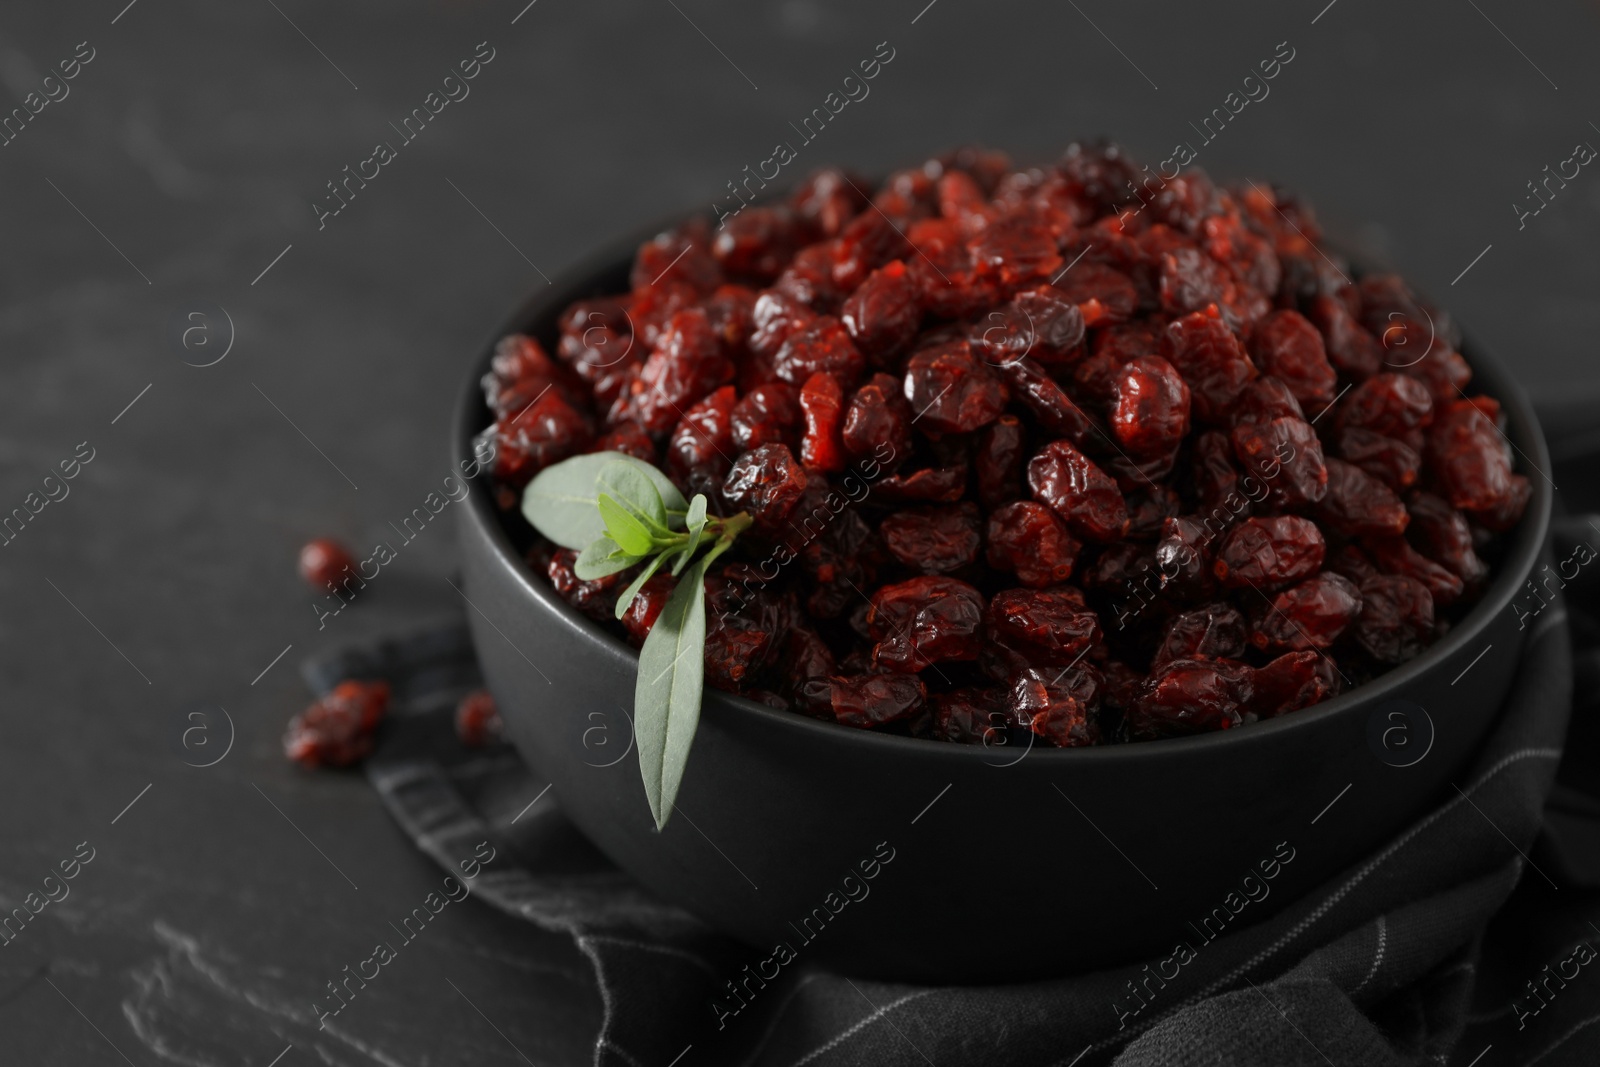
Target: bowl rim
{"x": 1525, "y": 544}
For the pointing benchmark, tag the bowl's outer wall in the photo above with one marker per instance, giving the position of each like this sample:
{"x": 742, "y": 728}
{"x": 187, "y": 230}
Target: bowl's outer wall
{"x": 1006, "y": 865}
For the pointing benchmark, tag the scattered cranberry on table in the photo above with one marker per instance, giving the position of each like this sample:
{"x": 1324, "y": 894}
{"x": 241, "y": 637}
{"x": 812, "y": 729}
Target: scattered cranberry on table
{"x": 1034, "y": 455}
{"x": 324, "y": 563}
{"x": 477, "y": 719}
{"x": 338, "y": 730}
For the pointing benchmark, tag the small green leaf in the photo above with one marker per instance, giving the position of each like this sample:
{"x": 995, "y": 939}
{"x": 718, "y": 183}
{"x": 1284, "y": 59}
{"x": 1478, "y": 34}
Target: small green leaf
{"x": 602, "y": 557}
{"x": 644, "y": 576}
{"x": 625, "y": 529}
{"x": 630, "y": 488}
{"x": 560, "y": 502}
{"x": 666, "y": 696}
{"x": 695, "y": 524}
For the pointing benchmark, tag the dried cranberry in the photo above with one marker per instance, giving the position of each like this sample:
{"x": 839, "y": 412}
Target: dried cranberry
{"x": 1209, "y": 357}
{"x": 1214, "y": 631}
{"x": 1055, "y": 327}
{"x": 1391, "y": 462}
{"x": 596, "y": 599}
{"x": 1310, "y": 615}
{"x": 768, "y": 414}
{"x": 952, "y": 390}
{"x": 1287, "y": 458}
{"x": 679, "y": 255}
{"x": 828, "y": 199}
{"x": 1187, "y": 697}
{"x": 687, "y": 364}
{"x": 337, "y": 730}
{"x": 997, "y": 459}
{"x": 934, "y": 540}
{"x": 1394, "y": 555}
{"x": 325, "y": 564}
{"x": 1103, "y": 296}
{"x": 1467, "y": 458}
{"x": 1387, "y": 404}
{"x": 1444, "y": 536}
{"x": 1357, "y": 504}
{"x": 1265, "y": 399}
{"x": 1028, "y": 540}
{"x": 477, "y": 719}
{"x": 755, "y": 243}
{"x": 925, "y": 621}
{"x": 882, "y": 315}
{"x": 628, "y": 439}
{"x": 870, "y": 700}
{"x": 1080, "y": 492}
{"x": 1057, "y": 705}
{"x": 878, "y": 423}
{"x": 1152, "y": 410}
{"x": 970, "y": 716}
{"x": 1270, "y": 553}
{"x": 1050, "y": 404}
{"x": 822, "y": 404}
{"x": 1288, "y": 347}
{"x": 1353, "y": 351}
{"x": 1396, "y": 620}
{"x": 1051, "y": 626}
{"x": 766, "y": 482}
{"x": 1293, "y": 681}
{"x": 645, "y": 607}
{"x": 699, "y": 452}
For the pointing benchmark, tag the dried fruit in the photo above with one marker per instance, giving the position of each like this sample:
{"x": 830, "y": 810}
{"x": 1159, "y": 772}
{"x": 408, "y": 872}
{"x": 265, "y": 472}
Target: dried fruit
{"x": 478, "y": 720}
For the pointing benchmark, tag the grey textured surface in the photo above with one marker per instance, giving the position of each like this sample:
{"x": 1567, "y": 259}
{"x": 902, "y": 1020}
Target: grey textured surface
{"x": 187, "y": 156}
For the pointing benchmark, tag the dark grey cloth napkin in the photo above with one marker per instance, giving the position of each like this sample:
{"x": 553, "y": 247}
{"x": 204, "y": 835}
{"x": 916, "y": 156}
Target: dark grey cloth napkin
{"x": 1456, "y": 940}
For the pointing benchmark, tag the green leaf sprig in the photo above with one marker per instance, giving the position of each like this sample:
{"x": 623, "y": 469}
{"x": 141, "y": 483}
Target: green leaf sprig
{"x": 617, "y": 511}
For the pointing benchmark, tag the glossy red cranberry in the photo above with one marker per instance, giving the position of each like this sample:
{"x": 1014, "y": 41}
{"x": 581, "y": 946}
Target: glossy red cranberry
{"x": 870, "y": 700}
{"x": 1189, "y": 696}
{"x": 766, "y": 482}
{"x": 768, "y": 414}
{"x": 1085, "y": 497}
{"x": 1287, "y": 346}
{"x": 882, "y": 315}
{"x": 925, "y": 621}
{"x": 645, "y": 608}
{"x": 700, "y": 450}
{"x": 1311, "y": 615}
{"x": 1028, "y": 540}
{"x": 877, "y": 424}
{"x": 325, "y": 564}
{"x": 478, "y": 720}
{"x": 1270, "y": 553}
{"x": 952, "y": 391}
{"x": 1285, "y": 456}
{"x": 1293, "y": 681}
{"x": 1057, "y": 705}
{"x": 822, "y": 404}
{"x": 1152, "y": 410}
{"x": 1209, "y": 357}
{"x": 1051, "y": 627}
{"x": 337, "y": 730}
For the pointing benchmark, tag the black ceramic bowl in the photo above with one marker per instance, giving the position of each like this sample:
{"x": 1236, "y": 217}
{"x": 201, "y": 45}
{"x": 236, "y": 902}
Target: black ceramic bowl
{"x": 986, "y": 864}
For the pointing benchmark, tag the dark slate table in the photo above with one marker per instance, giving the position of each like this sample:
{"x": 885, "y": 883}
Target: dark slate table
{"x": 177, "y": 173}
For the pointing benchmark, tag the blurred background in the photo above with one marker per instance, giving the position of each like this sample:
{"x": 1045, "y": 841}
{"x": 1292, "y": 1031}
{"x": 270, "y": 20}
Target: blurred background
{"x": 177, "y": 172}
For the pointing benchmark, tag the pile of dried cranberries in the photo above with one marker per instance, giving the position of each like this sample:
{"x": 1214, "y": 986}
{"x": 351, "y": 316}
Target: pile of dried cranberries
{"x": 1048, "y": 450}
